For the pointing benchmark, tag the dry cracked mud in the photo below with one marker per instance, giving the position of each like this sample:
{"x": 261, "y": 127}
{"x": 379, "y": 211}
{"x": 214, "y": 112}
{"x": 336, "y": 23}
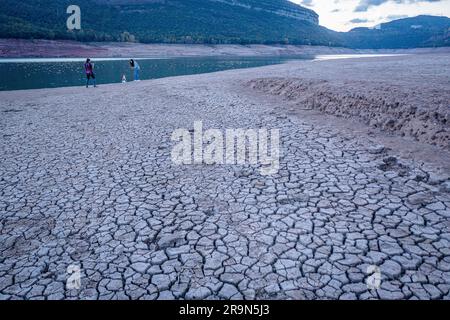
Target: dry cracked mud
{"x": 87, "y": 180}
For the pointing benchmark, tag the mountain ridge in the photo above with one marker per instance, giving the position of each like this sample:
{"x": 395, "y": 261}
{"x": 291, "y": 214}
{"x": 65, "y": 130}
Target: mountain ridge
{"x": 419, "y": 31}
{"x": 209, "y": 22}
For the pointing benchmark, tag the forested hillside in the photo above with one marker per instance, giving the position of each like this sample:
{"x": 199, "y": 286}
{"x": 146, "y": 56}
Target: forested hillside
{"x": 208, "y": 22}
{"x": 174, "y": 21}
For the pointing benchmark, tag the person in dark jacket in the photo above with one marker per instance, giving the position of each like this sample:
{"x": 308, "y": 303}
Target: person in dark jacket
{"x": 89, "y": 68}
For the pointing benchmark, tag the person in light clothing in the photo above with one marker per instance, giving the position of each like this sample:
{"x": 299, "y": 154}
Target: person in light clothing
{"x": 135, "y": 66}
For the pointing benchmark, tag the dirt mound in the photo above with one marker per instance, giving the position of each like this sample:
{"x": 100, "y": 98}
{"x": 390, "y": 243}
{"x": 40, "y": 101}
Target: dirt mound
{"x": 406, "y": 111}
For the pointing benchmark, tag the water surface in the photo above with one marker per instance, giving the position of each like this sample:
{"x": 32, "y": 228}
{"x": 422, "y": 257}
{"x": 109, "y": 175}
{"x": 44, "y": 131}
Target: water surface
{"x": 51, "y": 73}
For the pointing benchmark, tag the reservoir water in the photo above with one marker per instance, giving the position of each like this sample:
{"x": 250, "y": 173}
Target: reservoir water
{"x": 16, "y": 74}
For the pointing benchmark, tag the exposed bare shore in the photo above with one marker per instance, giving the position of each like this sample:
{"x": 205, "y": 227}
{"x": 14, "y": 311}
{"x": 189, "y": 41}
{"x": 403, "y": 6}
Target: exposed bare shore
{"x": 16, "y": 48}
{"x": 87, "y": 180}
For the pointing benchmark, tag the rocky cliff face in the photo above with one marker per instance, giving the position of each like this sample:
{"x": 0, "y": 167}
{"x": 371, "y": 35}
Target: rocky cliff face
{"x": 283, "y": 8}
{"x": 279, "y": 7}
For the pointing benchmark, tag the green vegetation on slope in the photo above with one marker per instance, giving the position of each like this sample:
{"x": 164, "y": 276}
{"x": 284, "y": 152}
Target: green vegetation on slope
{"x": 175, "y": 21}
{"x": 208, "y": 22}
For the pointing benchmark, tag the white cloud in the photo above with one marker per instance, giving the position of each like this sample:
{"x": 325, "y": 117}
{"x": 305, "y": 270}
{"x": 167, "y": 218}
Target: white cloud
{"x": 338, "y": 14}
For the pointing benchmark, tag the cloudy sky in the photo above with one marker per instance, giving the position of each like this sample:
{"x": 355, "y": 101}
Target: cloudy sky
{"x": 343, "y": 15}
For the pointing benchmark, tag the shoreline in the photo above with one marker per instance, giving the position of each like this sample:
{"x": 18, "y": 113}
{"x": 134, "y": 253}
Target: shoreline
{"x": 310, "y": 59}
{"x": 319, "y": 57}
{"x": 20, "y": 48}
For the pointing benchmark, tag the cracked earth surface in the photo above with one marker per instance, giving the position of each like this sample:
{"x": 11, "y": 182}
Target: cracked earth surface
{"x": 88, "y": 180}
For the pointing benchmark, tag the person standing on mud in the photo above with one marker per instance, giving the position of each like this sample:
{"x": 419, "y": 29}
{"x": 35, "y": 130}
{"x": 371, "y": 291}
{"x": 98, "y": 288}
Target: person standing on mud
{"x": 89, "y": 68}
{"x": 135, "y": 66}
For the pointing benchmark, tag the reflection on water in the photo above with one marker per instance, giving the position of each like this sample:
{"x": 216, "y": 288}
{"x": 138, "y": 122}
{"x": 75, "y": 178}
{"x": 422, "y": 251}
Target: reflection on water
{"x": 50, "y": 73}
{"x": 351, "y": 56}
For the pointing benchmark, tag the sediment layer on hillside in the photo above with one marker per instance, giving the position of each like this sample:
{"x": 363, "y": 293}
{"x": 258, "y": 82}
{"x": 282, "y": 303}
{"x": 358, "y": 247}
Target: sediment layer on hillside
{"x": 19, "y": 48}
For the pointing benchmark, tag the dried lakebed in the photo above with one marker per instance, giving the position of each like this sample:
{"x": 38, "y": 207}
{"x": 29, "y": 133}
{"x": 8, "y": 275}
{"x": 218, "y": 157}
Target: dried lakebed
{"x": 87, "y": 180}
